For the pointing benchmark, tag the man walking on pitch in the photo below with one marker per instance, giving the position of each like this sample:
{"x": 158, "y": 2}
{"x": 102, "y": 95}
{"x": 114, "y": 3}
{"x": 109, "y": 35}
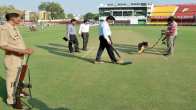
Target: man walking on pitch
{"x": 106, "y": 41}
{"x": 72, "y": 37}
{"x": 171, "y": 35}
{"x": 84, "y": 32}
{"x": 12, "y": 43}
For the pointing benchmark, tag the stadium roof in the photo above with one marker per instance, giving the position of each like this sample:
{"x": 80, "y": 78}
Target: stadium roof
{"x": 125, "y": 4}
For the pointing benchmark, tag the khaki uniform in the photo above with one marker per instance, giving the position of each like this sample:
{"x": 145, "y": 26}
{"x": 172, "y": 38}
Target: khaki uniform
{"x": 10, "y": 36}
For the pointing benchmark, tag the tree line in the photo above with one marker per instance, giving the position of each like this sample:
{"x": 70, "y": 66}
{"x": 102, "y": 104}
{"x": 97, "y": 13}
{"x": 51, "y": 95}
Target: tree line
{"x": 57, "y": 12}
{"x": 54, "y": 9}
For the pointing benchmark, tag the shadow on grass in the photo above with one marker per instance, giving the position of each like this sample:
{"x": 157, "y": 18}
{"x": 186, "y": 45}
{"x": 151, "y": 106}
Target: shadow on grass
{"x": 36, "y": 104}
{"x": 3, "y": 91}
{"x": 39, "y": 105}
{"x": 54, "y": 49}
{"x": 57, "y": 45}
{"x": 133, "y": 49}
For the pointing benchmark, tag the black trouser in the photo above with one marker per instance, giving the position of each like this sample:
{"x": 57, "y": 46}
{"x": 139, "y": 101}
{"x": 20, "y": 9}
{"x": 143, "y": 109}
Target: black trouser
{"x": 85, "y": 37}
{"x": 73, "y": 42}
{"x": 104, "y": 44}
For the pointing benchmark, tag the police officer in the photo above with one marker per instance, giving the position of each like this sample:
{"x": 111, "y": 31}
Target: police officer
{"x": 12, "y": 43}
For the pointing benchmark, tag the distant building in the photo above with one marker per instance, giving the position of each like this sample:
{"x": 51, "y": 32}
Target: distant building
{"x": 43, "y": 15}
{"x": 132, "y": 13}
{"x": 27, "y": 15}
{"x": 147, "y": 13}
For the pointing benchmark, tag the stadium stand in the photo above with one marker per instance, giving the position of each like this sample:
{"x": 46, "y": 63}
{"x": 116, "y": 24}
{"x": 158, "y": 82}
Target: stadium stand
{"x": 163, "y": 11}
{"x": 148, "y": 13}
{"x": 160, "y": 13}
{"x": 185, "y": 14}
{"x": 186, "y": 11}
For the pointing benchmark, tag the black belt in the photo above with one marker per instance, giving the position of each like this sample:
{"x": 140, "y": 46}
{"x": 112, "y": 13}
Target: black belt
{"x": 14, "y": 53}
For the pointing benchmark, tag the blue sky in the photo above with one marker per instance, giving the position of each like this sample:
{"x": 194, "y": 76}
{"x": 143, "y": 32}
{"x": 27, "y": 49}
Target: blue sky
{"x": 81, "y": 6}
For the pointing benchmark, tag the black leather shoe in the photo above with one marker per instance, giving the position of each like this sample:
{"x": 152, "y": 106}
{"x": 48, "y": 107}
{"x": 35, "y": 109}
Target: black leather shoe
{"x": 18, "y": 106}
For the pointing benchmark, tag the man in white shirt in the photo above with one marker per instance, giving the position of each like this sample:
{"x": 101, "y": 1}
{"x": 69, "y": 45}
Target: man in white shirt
{"x": 105, "y": 41}
{"x": 84, "y": 33}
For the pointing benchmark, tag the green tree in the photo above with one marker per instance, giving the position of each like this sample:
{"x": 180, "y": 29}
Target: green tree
{"x": 43, "y": 6}
{"x": 93, "y": 16}
{"x": 89, "y": 16}
{"x": 96, "y": 17}
{"x": 55, "y": 9}
{"x": 70, "y": 16}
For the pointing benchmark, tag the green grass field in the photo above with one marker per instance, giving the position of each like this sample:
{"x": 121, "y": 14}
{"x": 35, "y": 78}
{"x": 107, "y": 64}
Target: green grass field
{"x": 152, "y": 82}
